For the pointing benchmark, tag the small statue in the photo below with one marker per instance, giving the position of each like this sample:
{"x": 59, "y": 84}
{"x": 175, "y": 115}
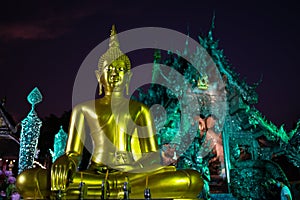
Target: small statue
{"x": 203, "y": 82}
{"x": 125, "y": 145}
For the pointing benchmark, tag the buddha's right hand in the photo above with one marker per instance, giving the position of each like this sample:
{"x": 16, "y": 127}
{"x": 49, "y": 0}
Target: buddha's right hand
{"x": 61, "y": 172}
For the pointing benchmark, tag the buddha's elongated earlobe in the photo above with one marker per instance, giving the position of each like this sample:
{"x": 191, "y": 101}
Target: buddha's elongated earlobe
{"x": 129, "y": 74}
{"x": 100, "y": 88}
{"x": 98, "y": 76}
{"x": 127, "y": 88}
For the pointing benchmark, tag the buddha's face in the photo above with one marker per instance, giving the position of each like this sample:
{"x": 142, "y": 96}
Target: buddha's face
{"x": 115, "y": 76}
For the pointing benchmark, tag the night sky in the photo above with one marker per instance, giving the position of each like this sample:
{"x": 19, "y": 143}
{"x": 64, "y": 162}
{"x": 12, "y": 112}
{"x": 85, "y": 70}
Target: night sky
{"x": 43, "y": 43}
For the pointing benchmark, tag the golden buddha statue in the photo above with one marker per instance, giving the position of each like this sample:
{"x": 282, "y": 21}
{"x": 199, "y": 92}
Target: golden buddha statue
{"x": 125, "y": 151}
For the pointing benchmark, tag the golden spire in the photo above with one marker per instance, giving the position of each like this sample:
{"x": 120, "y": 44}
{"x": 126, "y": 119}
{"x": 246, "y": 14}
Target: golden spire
{"x": 113, "y": 41}
{"x": 113, "y": 52}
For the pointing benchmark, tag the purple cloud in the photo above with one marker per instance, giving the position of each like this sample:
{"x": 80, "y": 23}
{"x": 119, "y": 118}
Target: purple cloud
{"x": 48, "y": 24}
{"x": 30, "y": 31}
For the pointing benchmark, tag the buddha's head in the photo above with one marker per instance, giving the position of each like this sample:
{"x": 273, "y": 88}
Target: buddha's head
{"x": 113, "y": 67}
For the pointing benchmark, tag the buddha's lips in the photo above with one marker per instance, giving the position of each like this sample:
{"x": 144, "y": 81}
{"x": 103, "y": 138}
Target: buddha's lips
{"x": 114, "y": 79}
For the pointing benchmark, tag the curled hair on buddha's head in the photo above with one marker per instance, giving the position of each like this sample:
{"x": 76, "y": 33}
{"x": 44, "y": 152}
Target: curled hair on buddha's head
{"x": 113, "y": 53}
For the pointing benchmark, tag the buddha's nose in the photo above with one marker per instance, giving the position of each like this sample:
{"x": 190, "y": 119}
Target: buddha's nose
{"x": 113, "y": 72}
{"x": 114, "y": 76}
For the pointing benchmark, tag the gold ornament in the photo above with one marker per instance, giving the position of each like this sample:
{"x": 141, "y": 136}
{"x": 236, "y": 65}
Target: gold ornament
{"x": 203, "y": 82}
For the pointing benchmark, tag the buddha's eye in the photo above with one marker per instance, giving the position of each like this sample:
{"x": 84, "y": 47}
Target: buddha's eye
{"x": 109, "y": 68}
{"x": 121, "y": 69}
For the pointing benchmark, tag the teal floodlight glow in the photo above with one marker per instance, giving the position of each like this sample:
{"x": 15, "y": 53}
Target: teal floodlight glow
{"x": 30, "y": 133}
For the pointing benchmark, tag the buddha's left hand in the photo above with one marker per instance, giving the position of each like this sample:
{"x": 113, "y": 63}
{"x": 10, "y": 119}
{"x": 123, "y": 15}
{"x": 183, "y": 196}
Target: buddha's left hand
{"x": 61, "y": 172}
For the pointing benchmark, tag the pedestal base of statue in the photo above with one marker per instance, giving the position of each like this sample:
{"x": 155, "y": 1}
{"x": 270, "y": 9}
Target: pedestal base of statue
{"x": 121, "y": 195}
{"x": 55, "y": 197}
{"x": 164, "y": 183}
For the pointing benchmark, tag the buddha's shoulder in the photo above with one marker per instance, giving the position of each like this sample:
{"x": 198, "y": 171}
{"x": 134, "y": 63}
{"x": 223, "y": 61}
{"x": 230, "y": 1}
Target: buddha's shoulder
{"x": 138, "y": 106}
{"x": 89, "y": 104}
{"x": 103, "y": 102}
{"x": 138, "y": 103}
